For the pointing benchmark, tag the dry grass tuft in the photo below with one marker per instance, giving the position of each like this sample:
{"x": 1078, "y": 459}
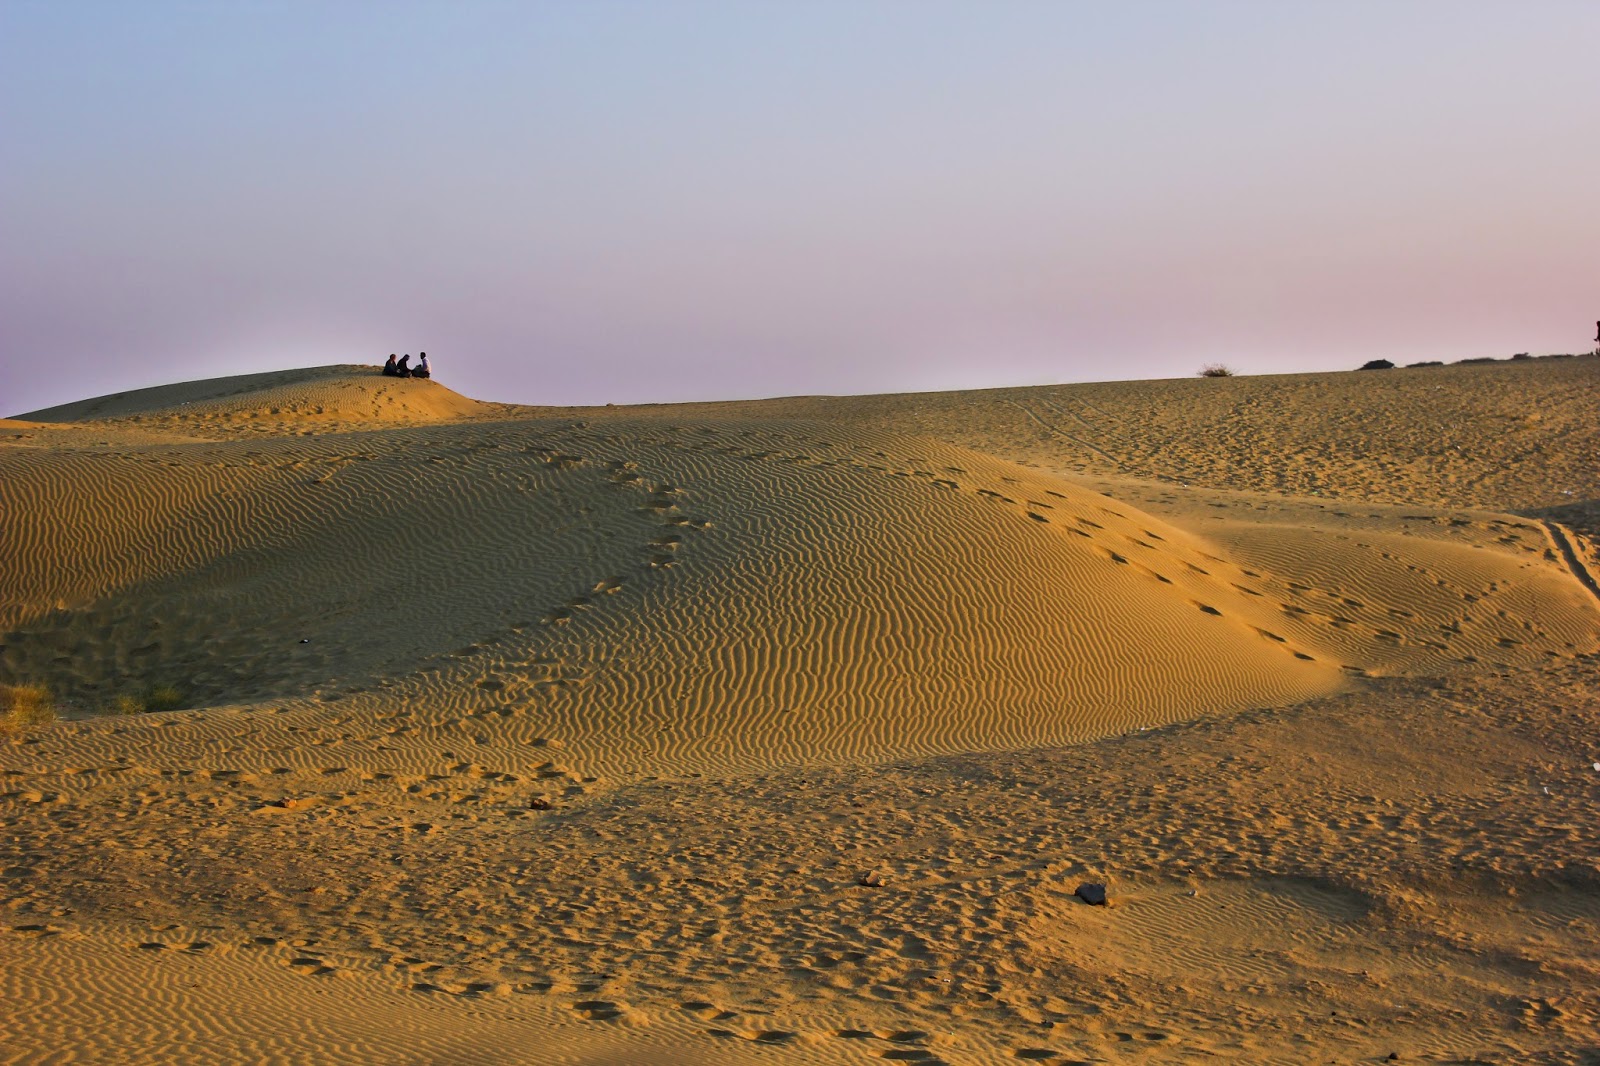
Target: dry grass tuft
{"x": 1216, "y": 370}
{"x": 25, "y": 707}
{"x": 153, "y": 698}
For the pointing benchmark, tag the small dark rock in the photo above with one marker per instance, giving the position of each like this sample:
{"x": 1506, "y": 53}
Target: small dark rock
{"x": 872, "y": 879}
{"x": 1394, "y": 1056}
{"x": 1092, "y": 894}
{"x": 539, "y": 803}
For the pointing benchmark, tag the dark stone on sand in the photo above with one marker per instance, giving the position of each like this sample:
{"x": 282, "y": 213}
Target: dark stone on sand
{"x": 1092, "y": 894}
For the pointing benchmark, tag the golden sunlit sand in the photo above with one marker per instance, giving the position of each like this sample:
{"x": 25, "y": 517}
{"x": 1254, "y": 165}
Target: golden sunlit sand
{"x": 785, "y": 730}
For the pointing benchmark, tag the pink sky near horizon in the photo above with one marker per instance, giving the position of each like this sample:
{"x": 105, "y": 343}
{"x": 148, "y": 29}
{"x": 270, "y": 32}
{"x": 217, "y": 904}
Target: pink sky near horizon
{"x": 623, "y": 202}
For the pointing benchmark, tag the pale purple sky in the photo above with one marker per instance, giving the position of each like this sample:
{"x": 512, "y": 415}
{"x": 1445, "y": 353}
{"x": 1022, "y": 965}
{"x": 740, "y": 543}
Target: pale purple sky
{"x": 595, "y": 202}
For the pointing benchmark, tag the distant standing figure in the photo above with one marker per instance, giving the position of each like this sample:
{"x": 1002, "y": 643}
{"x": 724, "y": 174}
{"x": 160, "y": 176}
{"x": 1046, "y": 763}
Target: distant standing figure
{"x": 422, "y": 370}
{"x": 1597, "y": 332}
{"x": 403, "y": 368}
{"x": 389, "y": 367}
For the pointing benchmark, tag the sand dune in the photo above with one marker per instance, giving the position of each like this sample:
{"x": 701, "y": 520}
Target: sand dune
{"x": 717, "y": 594}
{"x": 323, "y": 397}
{"x": 596, "y": 720}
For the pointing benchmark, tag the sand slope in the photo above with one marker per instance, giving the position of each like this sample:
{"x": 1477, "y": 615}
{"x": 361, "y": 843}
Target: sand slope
{"x": 1507, "y": 435}
{"x": 522, "y": 735}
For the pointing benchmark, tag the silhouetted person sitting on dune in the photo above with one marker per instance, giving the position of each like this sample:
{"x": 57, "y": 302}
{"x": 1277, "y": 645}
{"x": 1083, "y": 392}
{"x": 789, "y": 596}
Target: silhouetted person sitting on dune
{"x": 403, "y": 367}
{"x": 389, "y": 367}
{"x": 422, "y": 370}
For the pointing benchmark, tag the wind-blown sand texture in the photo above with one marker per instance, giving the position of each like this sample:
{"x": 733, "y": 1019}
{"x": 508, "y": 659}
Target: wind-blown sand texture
{"x": 784, "y": 730}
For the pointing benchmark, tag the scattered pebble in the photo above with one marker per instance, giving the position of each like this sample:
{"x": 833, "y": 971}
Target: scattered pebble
{"x": 1092, "y": 893}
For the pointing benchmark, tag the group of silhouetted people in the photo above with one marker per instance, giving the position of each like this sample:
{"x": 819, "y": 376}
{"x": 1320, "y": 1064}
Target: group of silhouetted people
{"x": 404, "y": 369}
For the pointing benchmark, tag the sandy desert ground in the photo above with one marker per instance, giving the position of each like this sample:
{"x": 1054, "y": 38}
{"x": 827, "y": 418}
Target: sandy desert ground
{"x": 784, "y": 731}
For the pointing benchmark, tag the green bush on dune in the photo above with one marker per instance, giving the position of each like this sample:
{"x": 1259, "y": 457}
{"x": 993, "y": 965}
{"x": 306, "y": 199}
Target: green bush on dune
{"x": 24, "y": 707}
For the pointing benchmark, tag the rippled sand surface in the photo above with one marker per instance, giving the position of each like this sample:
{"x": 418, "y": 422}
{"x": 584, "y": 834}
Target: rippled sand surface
{"x": 785, "y": 730}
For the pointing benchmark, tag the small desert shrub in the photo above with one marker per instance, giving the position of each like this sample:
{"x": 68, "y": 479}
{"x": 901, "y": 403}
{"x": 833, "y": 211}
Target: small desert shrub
{"x": 1215, "y": 370}
{"x": 1521, "y": 355}
{"x": 1425, "y": 362}
{"x": 163, "y": 698}
{"x": 1477, "y": 361}
{"x": 1377, "y": 364}
{"x": 151, "y": 698}
{"x": 24, "y": 707}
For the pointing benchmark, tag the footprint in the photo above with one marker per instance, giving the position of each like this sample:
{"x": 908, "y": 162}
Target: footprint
{"x": 597, "y": 1010}
{"x": 310, "y": 967}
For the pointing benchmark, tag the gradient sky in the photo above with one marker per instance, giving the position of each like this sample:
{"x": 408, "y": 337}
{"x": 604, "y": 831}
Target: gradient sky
{"x": 593, "y": 202}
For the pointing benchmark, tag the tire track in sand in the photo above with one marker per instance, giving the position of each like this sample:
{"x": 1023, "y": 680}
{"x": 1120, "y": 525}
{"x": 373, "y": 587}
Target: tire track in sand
{"x": 1559, "y": 538}
{"x": 1064, "y": 435}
